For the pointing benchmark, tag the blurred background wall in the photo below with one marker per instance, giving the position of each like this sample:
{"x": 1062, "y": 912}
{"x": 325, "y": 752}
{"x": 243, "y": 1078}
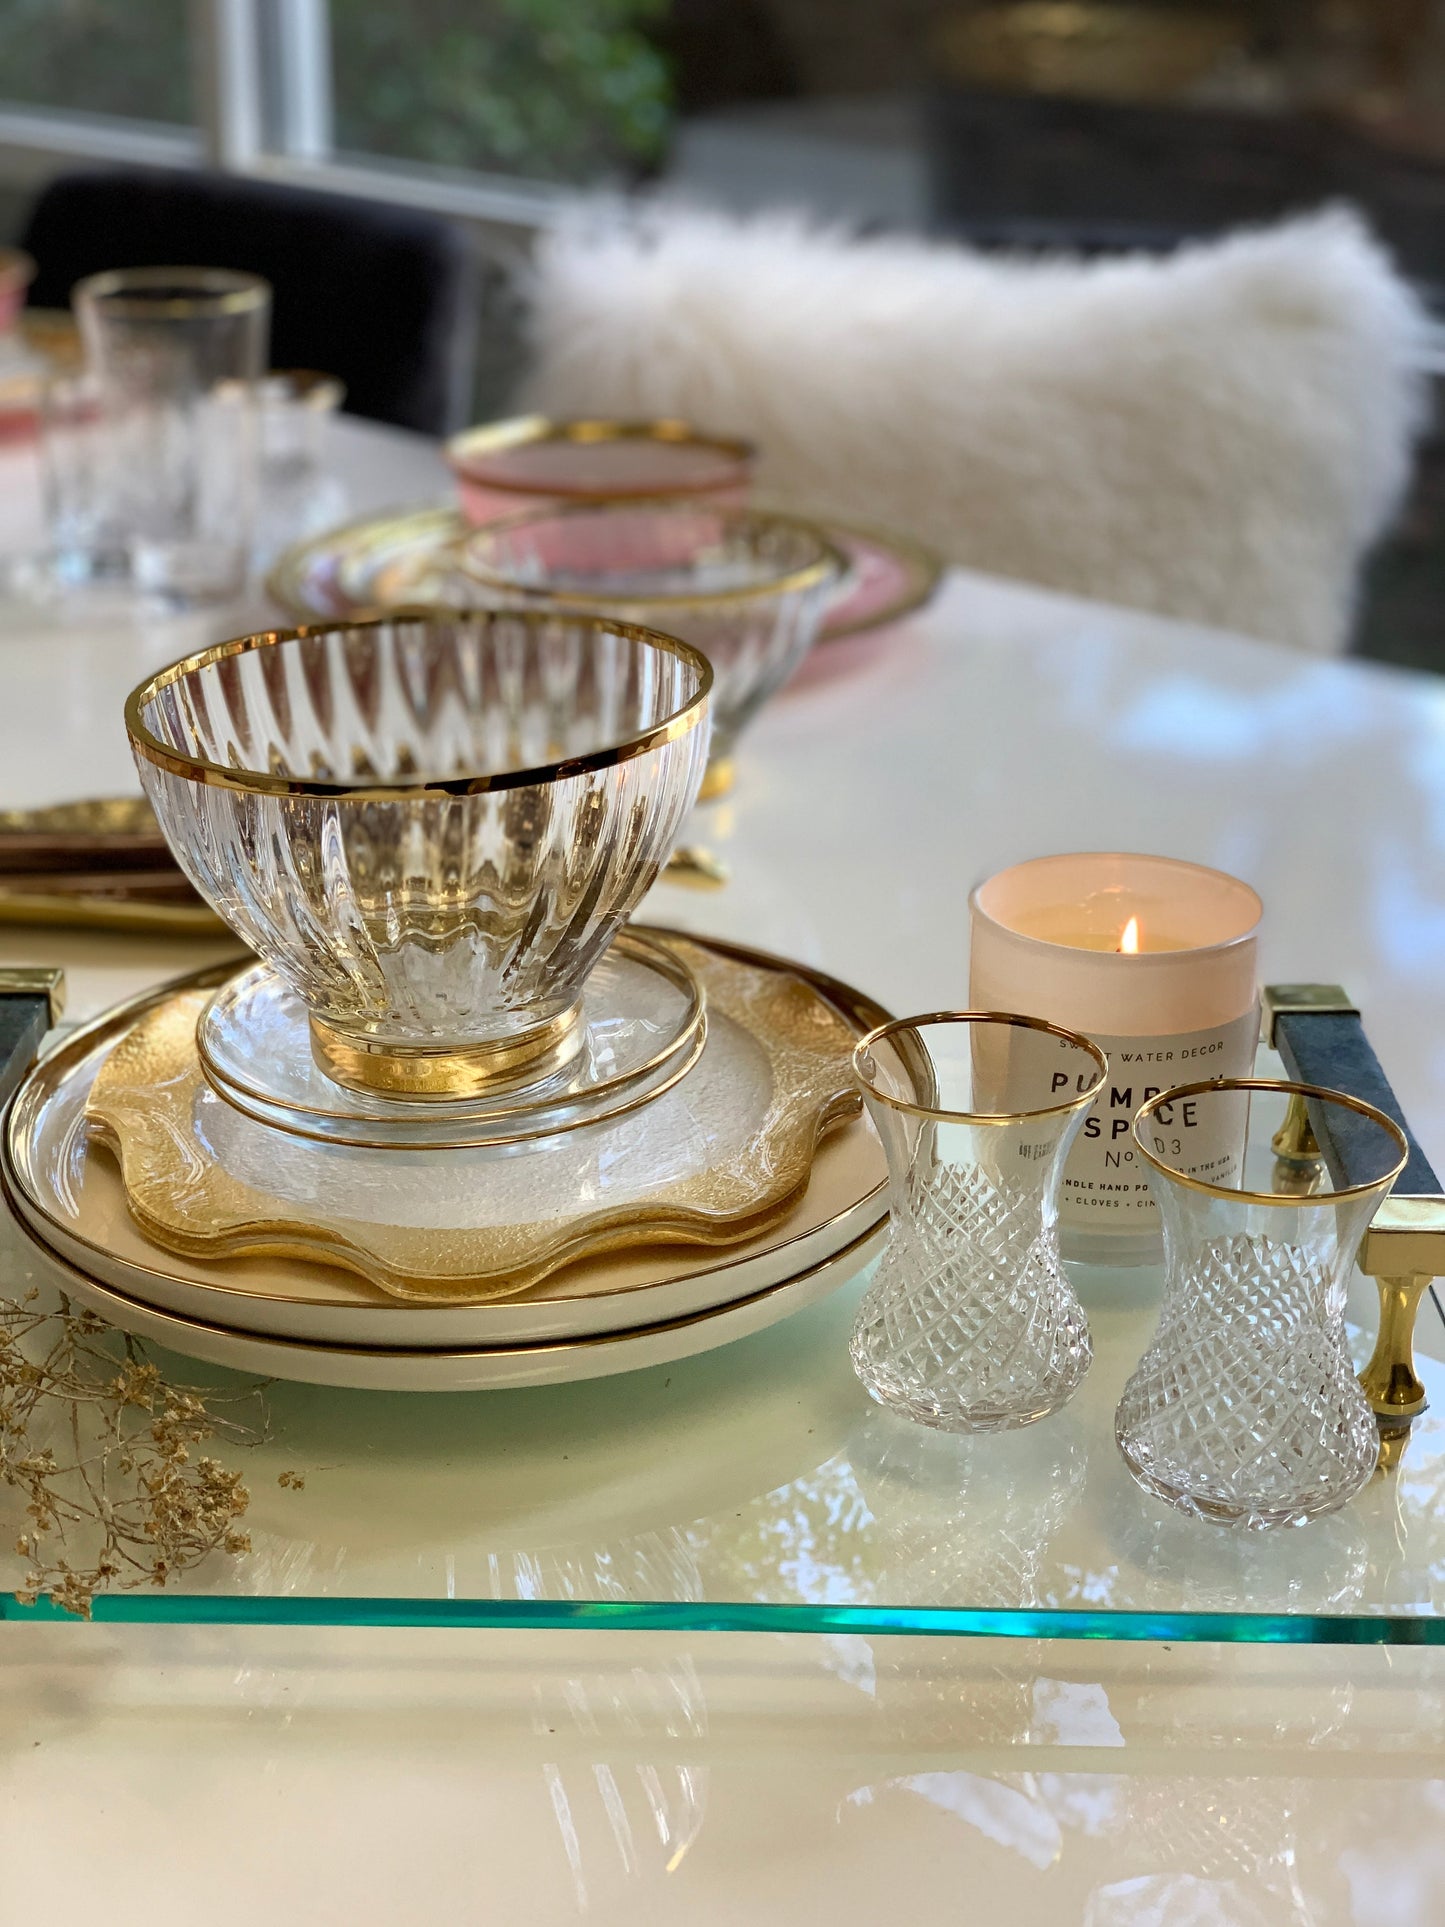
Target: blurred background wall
{"x": 1089, "y": 125}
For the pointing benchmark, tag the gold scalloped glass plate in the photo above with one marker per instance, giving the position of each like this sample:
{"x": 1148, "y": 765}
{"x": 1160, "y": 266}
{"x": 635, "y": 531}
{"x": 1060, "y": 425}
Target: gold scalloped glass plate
{"x": 722, "y": 1155}
{"x": 68, "y": 1190}
{"x": 406, "y": 559}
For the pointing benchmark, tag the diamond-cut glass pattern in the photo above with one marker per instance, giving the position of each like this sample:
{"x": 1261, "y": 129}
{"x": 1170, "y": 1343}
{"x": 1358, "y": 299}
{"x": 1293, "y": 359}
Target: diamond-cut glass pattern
{"x": 1245, "y": 1409}
{"x": 971, "y": 1323}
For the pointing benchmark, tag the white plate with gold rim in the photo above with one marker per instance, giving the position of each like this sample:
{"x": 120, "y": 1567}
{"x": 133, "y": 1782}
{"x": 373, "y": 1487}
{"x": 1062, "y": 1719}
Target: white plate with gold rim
{"x": 495, "y": 1368}
{"x": 67, "y": 1188}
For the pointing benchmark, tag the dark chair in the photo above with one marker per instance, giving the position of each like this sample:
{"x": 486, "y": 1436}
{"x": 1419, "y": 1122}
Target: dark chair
{"x": 385, "y": 298}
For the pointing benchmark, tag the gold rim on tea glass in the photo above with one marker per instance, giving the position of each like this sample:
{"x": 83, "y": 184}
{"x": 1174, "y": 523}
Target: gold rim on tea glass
{"x": 899, "y": 1025}
{"x": 1280, "y": 1088}
{"x": 199, "y": 769}
{"x": 467, "y": 453}
{"x": 829, "y": 563}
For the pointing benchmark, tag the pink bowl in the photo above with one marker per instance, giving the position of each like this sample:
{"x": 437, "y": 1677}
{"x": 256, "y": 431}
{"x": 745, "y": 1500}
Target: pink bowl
{"x": 530, "y": 462}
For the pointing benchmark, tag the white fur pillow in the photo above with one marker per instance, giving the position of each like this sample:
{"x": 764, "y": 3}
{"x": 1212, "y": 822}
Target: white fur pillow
{"x": 1218, "y": 435}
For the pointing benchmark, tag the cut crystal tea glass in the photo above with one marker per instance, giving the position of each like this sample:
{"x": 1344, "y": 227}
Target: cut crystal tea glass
{"x": 747, "y": 589}
{"x": 431, "y": 828}
{"x": 971, "y": 1324}
{"x": 1245, "y": 1410}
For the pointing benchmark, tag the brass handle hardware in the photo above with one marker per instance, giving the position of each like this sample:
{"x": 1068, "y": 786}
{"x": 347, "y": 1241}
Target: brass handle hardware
{"x": 1317, "y": 1031}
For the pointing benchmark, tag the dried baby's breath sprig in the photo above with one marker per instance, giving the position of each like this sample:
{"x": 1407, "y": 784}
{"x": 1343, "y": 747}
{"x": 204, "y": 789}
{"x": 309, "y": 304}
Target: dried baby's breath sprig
{"x": 98, "y": 1442}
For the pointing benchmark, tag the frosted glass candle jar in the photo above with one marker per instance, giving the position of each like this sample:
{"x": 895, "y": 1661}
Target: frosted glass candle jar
{"x": 1155, "y": 960}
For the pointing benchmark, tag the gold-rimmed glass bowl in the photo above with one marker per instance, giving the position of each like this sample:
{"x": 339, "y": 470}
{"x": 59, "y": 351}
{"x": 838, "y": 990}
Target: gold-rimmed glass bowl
{"x": 505, "y": 466}
{"x": 431, "y": 827}
{"x": 746, "y": 588}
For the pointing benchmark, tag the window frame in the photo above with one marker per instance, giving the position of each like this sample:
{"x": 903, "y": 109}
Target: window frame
{"x": 262, "y": 91}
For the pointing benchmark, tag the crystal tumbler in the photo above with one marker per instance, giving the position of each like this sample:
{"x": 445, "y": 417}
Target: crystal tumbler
{"x": 749, "y": 590}
{"x": 971, "y": 1324}
{"x": 177, "y": 353}
{"x": 1245, "y": 1409}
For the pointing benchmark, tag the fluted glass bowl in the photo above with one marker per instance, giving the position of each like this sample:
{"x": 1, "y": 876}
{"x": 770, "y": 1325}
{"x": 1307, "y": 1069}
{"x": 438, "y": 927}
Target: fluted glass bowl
{"x": 748, "y": 589}
{"x": 430, "y": 826}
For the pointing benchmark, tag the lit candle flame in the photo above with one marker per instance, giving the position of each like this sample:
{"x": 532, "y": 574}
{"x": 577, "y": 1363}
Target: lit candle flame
{"x": 1129, "y": 941}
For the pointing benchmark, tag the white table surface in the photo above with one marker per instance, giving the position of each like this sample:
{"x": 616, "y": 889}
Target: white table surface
{"x": 161, "y": 1775}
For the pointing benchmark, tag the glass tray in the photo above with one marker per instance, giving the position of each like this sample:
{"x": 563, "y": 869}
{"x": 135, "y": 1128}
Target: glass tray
{"x": 756, "y": 1488}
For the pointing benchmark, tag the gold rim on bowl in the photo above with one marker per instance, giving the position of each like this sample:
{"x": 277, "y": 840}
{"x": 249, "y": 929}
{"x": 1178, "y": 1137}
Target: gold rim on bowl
{"x": 897, "y": 1025}
{"x": 1281, "y": 1087}
{"x": 200, "y": 769}
{"x": 520, "y": 431}
{"x": 829, "y": 564}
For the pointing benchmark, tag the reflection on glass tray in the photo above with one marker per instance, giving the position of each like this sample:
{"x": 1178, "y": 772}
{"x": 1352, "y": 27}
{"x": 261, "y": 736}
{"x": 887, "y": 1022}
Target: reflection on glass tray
{"x": 757, "y": 1488}
{"x": 408, "y": 557}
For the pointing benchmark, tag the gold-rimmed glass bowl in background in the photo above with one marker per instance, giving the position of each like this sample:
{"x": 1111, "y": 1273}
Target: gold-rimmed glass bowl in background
{"x": 430, "y": 827}
{"x": 745, "y": 588}
{"x": 1245, "y": 1410}
{"x": 970, "y": 1324}
{"x": 528, "y": 460}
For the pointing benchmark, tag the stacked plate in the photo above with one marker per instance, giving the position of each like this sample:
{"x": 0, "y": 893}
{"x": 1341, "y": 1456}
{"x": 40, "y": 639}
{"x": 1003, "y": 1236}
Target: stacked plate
{"x": 743, "y": 1191}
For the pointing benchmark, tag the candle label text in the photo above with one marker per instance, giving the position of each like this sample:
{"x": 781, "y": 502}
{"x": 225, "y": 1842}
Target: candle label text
{"x": 1104, "y": 1182}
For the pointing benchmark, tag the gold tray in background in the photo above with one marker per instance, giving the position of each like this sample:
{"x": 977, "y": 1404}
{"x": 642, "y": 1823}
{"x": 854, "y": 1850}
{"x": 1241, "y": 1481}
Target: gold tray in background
{"x": 99, "y": 863}
{"x": 109, "y": 913}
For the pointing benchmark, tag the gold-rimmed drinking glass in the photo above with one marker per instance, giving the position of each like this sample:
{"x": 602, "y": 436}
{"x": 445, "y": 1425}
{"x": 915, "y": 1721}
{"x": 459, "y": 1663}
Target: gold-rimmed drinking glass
{"x": 971, "y": 1324}
{"x": 747, "y": 589}
{"x": 1245, "y": 1410}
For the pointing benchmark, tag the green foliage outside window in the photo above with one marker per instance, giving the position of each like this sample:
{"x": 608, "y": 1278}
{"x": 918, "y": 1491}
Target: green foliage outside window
{"x": 561, "y": 89}
{"x": 127, "y": 57}
{"x": 556, "y": 89}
